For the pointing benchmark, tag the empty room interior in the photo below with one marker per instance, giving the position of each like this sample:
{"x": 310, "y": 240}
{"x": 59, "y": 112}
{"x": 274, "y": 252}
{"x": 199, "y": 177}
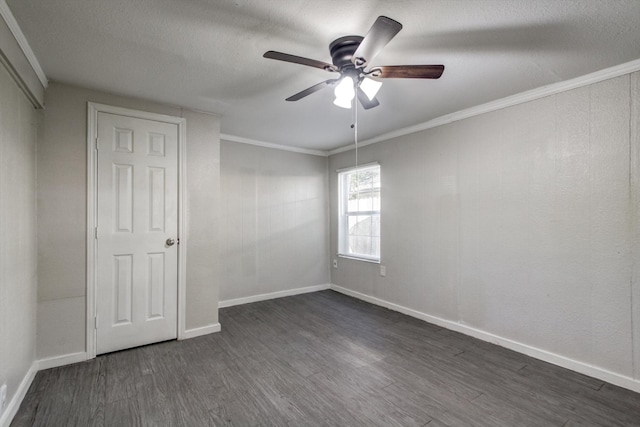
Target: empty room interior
{"x": 287, "y": 213}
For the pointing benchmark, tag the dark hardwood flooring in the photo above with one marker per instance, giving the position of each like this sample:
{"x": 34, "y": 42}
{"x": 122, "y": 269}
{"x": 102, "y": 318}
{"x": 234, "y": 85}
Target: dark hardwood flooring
{"x": 322, "y": 359}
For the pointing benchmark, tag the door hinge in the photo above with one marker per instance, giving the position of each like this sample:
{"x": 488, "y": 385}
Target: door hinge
{"x": 97, "y": 144}
{"x": 96, "y": 322}
{"x": 96, "y": 234}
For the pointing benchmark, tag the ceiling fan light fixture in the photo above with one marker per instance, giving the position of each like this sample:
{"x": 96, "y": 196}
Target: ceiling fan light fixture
{"x": 342, "y": 102}
{"x": 351, "y": 56}
{"x": 344, "y": 92}
{"x": 370, "y": 87}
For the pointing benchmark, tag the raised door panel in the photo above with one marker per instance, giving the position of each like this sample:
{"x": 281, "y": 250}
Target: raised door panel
{"x": 157, "y": 207}
{"x": 156, "y": 288}
{"x": 122, "y": 288}
{"x": 123, "y": 198}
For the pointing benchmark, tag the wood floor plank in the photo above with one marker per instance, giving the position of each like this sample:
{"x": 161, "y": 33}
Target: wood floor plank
{"x": 511, "y": 413}
{"x": 584, "y": 402}
{"x": 438, "y": 404}
{"x": 123, "y": 412}
{"x": 322, "y": 359}
{"x": 370, "y": 410}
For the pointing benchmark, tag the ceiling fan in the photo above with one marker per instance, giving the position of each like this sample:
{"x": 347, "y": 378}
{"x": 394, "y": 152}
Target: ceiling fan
{"x": 350, "y": 56}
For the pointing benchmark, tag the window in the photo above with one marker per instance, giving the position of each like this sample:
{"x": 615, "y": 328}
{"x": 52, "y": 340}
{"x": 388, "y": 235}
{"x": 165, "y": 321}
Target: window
{"x": 359, "y": 224}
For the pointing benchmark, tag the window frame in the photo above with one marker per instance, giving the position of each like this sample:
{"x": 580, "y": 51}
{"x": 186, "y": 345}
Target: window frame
{"x": 343, "y": 214}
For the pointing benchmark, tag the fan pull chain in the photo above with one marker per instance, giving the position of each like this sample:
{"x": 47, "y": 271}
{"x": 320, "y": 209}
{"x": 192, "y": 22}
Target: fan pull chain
{"x": 355, "y": 127}
{"x": 355, "y": 137}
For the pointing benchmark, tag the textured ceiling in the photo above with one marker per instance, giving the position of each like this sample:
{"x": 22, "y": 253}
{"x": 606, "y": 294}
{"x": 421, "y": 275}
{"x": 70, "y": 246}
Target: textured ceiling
{"x": 207, "y": 55}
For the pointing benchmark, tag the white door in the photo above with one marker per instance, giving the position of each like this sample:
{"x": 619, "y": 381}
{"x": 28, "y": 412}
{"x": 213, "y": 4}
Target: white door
{"x": 137, "y": 217}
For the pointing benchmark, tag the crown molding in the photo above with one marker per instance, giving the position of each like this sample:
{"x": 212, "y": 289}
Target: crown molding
{"x": 509, "y": 101}
{"x": 8, "y": 17}
{"x": 233, "y": 138}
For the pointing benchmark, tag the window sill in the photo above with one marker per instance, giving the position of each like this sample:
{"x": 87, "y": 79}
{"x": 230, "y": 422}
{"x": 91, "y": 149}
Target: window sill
{"x": 357, "y": 258}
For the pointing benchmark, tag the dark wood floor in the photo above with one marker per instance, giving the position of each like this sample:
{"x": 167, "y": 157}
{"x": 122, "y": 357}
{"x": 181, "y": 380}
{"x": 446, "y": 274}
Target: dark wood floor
{"x": 322, "y": 359}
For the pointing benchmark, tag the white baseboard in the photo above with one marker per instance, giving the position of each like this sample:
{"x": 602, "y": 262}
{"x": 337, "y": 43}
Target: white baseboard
{"x": 279, "y": 294}
{"x": 12, "y": 407}
{"x": 198, "y": 332}
{"x": 65, "y": 359}
{"x": 547, "y": 356}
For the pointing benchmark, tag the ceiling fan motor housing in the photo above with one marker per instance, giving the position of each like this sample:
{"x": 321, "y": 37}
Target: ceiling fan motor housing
{"x": 342, "y": 50}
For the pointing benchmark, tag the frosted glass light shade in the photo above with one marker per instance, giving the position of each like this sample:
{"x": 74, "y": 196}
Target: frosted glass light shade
{"x": 370, "y": 87}
{"x": 342, "y": 102}
{"x": 344, "y": 90}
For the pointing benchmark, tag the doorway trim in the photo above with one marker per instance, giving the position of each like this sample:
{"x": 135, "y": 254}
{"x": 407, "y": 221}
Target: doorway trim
{"x": 92, "y": 199}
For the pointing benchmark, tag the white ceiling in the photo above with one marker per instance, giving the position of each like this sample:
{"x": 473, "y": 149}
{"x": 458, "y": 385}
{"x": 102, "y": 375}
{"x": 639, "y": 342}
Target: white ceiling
{"x": 207, "y": 55}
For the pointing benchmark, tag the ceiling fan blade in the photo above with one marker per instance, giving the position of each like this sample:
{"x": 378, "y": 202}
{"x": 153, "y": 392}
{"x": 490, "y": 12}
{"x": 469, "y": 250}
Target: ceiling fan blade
{"x": 312, "y": 89}
{"x": 272, "y": 54}
{"x": 365, "y": 101}
{"x": 381, "y": 33}
{"x": 408, "y": 71}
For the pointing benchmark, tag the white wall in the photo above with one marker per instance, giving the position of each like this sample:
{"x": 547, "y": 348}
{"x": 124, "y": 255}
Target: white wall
{"x": 62, "y": 216}
{"x": 274, "y": 225}
{"x": 521, "y": 223}
{"x": 203, "y": 210}
{"x": 18, "y": 267}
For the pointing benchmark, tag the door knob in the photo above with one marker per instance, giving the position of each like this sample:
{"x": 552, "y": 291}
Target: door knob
{"x": 170, "y": 241}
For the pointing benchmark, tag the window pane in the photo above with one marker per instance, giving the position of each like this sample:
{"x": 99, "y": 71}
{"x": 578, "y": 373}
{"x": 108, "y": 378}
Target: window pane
{"x": 354, "y": 204}
{"x": 360, "y": 234}
{"x": 364, "y": 190}
{"x": 360, "y": 245}
{"x": 360, "y": 225}
{"x": 353, "y": 185}
{"x": 376, "y": 179}
{"x": 366, "y": 199}
{"x": 364, "y": 235}
{"x": 375, "y": 246}
{"x": 353, "y": 220}
{"x": 375, "y": 226}
{"x": 375, "y": 199}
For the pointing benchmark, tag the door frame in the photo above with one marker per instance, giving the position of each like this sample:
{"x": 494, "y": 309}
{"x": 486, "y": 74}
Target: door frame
{"x": 92, "y": 201}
